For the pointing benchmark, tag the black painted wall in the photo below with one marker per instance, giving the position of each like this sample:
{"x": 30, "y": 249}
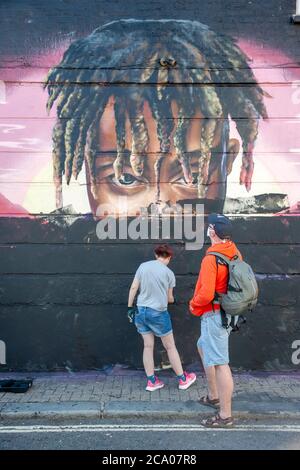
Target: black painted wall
{"x": 63, "y": 299}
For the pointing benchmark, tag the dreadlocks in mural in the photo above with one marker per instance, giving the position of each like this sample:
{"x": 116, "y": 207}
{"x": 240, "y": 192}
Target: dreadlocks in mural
{"x": 137, "y": 104}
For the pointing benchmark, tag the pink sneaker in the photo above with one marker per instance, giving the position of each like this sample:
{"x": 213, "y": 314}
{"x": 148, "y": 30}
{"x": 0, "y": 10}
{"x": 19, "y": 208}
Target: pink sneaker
{"x": 154, "y": 386}
{"x": 189, "y": 380}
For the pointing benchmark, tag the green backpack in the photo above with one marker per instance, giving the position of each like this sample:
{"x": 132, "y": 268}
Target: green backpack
{"x": 242, "y": 290}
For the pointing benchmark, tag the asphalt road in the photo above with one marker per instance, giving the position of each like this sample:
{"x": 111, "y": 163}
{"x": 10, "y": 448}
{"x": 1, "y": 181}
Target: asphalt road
{"x": 147, "y": 435}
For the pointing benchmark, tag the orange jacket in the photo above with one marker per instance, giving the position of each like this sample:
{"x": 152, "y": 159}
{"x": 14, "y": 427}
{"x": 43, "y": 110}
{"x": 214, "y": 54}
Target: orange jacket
{"x": 212, "y": 278}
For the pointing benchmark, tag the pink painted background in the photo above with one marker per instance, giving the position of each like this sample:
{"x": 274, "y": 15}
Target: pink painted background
{"x": 25, "y": 136}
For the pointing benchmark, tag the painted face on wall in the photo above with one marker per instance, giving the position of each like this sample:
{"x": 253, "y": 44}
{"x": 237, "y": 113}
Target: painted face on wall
{"x": 142, "y": 104}
{"x": 173, "y": 185}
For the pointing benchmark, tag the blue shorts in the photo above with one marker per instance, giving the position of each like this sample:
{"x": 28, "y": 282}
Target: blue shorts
{"x": 214, "y": 340}
{"x": 148, "y": 320}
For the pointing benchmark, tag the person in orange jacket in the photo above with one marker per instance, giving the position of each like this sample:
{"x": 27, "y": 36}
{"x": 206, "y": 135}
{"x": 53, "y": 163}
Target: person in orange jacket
{"x": 213, "y": 343}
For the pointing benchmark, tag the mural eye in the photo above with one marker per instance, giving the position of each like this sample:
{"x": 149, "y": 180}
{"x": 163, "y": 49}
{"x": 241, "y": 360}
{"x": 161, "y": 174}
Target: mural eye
{"x": 128, "y": 180}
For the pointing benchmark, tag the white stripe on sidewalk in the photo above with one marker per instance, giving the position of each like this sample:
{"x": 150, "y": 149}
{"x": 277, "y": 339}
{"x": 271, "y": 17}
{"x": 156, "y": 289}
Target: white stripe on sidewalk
{"x": 144, "y": 428}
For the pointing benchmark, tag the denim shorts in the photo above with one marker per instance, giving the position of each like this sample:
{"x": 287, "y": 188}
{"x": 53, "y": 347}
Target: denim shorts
{"x": 214, "y": 340}
{"x": 148, "y": 320}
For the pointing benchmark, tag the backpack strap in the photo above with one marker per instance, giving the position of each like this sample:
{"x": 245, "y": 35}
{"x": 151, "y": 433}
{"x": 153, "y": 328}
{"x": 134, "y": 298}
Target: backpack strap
{"x": 228, "y": 261}
{"x": 225, "y": 323}
{"x": 223, "y": 257}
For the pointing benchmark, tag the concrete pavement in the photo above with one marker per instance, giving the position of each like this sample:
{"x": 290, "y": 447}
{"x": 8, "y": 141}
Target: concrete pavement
{"x": 118, "y": 392}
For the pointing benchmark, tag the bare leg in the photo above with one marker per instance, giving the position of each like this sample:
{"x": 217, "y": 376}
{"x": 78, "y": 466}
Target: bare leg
{"x": 169, "y": 345}
{"x": 225, "y": 389}
{"x": 148, "y": 354}
{"x": 210, "y": 373}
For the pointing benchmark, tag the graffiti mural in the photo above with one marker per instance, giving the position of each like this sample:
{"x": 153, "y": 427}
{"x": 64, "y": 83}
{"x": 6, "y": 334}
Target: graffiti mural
{"x": 113, "y": 108}
{"x": 170, "y": 107}
{"x": 185, "y": 109}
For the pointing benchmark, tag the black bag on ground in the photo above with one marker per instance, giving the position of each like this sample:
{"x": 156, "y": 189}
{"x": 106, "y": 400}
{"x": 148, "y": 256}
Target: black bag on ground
{"x": 15, "y": 386}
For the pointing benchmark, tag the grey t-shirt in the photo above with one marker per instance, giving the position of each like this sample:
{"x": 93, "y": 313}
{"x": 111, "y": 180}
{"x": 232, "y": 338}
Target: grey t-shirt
{"x": 155, "y": 279}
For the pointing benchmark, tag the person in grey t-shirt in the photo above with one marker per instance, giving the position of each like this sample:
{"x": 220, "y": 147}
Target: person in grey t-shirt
{"x": 155, "y": 283}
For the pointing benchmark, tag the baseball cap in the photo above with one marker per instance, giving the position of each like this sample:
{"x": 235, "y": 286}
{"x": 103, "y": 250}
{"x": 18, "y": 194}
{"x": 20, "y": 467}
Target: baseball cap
{"x": 222, "y": 225}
